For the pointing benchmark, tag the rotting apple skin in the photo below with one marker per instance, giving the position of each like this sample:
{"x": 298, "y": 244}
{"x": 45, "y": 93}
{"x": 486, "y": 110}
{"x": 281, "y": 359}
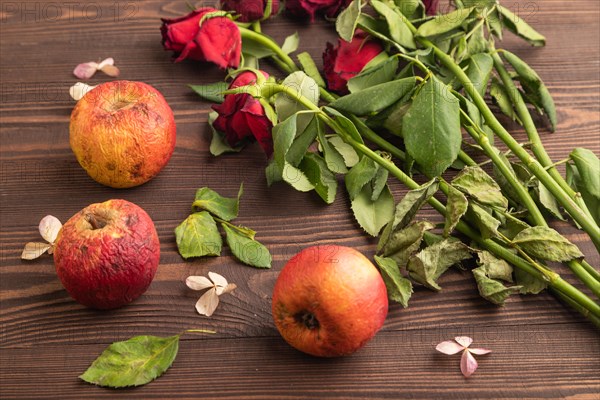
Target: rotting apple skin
{"x": 123, "y": 133}
{"x": 106, "y": 255}
{"x": 329, "y": 301}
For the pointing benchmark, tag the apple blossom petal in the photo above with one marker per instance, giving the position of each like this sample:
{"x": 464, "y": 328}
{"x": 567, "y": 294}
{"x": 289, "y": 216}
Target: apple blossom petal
{"x": 86, "y": 70}
{"x": 110, "y": 70}
{"x": 78, "y": 90}
{"x": 105, "y": 62}
{"x": 449, "y": 347}
{"x": 464, "y": 341}
{"x": 198, "y": 282}
{"x": 207, "y": 304}
{"x": 217, "y": 279}
{"x": 229, "y": 288}
{"x": 33, "y": 250}
{"x": 468, "y": 364}
{"x": 479, "y": 352}
{"x": 49, "y": 228}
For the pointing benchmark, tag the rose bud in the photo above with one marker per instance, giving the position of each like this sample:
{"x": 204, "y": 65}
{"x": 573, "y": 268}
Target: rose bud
{"x": 250, "y": 10}
{"x": 431, "y": 6}
{"x": 216, "y": 40}
{"x": 347, "y": 60}
{"x": 303, "y": 8}
{"x": 242, "y": 117}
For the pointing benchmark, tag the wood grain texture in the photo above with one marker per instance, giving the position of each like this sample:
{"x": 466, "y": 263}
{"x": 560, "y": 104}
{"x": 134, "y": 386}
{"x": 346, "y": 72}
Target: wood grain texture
{"x": 541, "y": 349}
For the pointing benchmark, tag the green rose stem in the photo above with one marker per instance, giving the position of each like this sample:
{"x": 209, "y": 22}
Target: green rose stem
{"x": 532, "y": 133}
{"x": 533, "y": 165}
{"x": 554, "y": 280}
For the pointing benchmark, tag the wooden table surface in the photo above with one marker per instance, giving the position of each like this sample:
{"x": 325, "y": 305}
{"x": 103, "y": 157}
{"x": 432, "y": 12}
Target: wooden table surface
{"x": 540, "y": 347}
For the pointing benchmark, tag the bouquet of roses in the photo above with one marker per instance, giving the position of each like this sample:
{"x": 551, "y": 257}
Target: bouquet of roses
{"x": 403, "y": 93}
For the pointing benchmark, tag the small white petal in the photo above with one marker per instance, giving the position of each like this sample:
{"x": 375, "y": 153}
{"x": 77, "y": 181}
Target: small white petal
{"x": 198, "y": 282}
{"x": 219, "y": 280}
{"x": 207, "y": 304}
{"x": 479, "y": 352}
{"x": 108, "y": 61}
{"x": 468, "y": 364}
{"x": 49, "y": 228}
{"x": 78, "y": 90}
{"x": 111, "y": 70}
{"x": 449, "y": 347}
{"x": 465, "y": 341}
{"x": 33, "y": 250}
{"x": 86, "y": 70}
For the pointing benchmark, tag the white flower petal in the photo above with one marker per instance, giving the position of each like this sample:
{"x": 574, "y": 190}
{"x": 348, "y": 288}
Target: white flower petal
{"x": 86, "y": 70}
{"x": 468, "y": 364}
{"x": 108, "y": 61}
{"x": 78, "y": 90}
{"x": 219, "y": 280}
{"x": 465, "y": 341}
{"x": 111, "y": 70}
{"x": 449, "y": 347}
{"x": 49, "y": 228}
{"x": 198, "y": 282}
{"x": 479, "y": 352}
{"x": 33, "y": 250}
{"x": 229, "y": 288}
{"x": 207, "y": 304}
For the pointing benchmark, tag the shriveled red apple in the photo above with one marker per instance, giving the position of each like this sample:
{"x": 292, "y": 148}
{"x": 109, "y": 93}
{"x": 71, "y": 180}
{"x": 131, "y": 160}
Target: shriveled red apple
{"x": 106, "y": 255}
{"x": 329, "y": 301}
{"x": 122, "y": 133}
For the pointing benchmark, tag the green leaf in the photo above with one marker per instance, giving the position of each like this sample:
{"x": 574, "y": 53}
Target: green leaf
{"x": 409, "y": 8}
{"x": 479, "y": 70}
{"x": 456, "y": 207}
{"x": 412, "y": 202}
{"x": 373, "y": 215}
{"x": 212, "y": 92}
{"x": 533, "y": 86}
{"x": 198, "y": 236}
{"x": 403, "y": 243}
{"x": 218, "y": 143}
{"x": 588, "y": 166}
{"x": 430, "y": 263}
{"x": 379, "y": 182}
{"x": 360, "y": 175}
{"x": 375, "y": 98}
{"x": 528, "y": 283}
{"x": 495, "y": 268}
{"x": 346, "y": 22}
{"x": 502, "y": 99}
{"x": 296, "y": 178}
{"x": 548, "y": 201}
{"x": 347, "y": 152}
{"x": 303, "y": 141}
{"x": 310, "y": 68}
{"x": 316, "y": 170}
{"x": 256, "y": 49}
{"x": 133, "y": 362}
{"x": 380, "y": 73}
{"x": 476, "y": 183}
{"x": 287, "y": 105}
{"x": 290, "y": 44}
{"x": 444, "y": 23}
{"x": 223, "y": 207}
{"x": 520, "y": 28}
{"x": 345, "y": 124}
{"x": 399, "y": 30}
{"x": 247, "y": 250}
{"x": 399, "y": 289}
{"x": 546, "y": 244}
{"x": 431, "y": 128}
{"x": 335, "y": 161}
{"x": 283, "y": 136}
{"x": 591, "y": 201}
{"x": 491, "y": 289}
{"x": 487, "y": 224}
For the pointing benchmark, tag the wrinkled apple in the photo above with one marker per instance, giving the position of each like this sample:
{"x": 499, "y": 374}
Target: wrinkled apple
{"x": 122, "y": 133}
{"x": 329, "y": 301}
{"x": 106, "y": 255}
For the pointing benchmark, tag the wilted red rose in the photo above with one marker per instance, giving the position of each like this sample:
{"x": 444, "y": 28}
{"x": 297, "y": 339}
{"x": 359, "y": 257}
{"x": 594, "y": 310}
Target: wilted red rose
{"x": 431, "y": 6}
{"x": 347, "y": 59}
{"x": 216, "y": 40}
{"x": 242, "y": 117}
{"x": 304, "y": 8}
{"x": 250, "y": 10}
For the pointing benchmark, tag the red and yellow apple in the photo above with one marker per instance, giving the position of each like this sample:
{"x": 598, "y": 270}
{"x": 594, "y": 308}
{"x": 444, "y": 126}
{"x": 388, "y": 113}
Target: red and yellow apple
{"x": 329, "y": 301}
{"x": 106, "y": 255}
{"x": 122, "y": 133}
